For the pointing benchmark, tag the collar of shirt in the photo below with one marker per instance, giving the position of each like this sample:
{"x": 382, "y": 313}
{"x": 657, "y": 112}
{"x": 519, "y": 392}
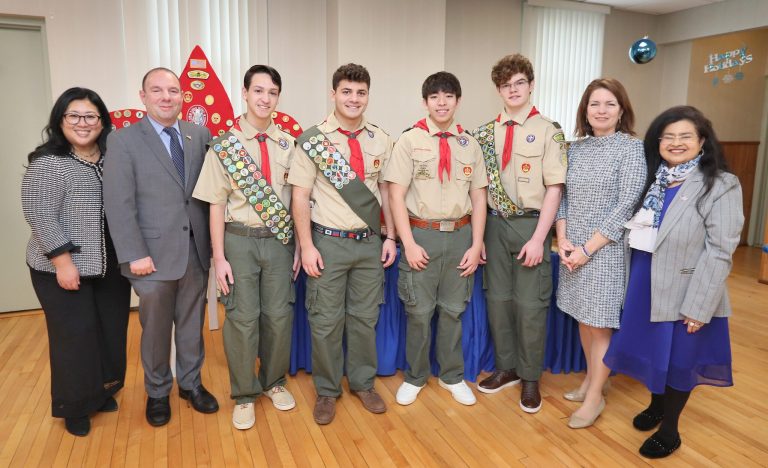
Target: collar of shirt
{"x": 519, "y": 117}
{"x": 159, "y": 127}
{"x": 434, "y": 129}
{"x": 250, "y": 132}
{"x": 331, "y": 124}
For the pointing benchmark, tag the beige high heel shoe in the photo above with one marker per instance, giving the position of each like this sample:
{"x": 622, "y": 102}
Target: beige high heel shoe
{"x": 580, "y": 423}
{"x": 576, "y": 395}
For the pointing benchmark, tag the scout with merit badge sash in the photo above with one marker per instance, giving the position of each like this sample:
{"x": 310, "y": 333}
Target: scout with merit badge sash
{"x": 254, "y": 183}
{"x": 342, "y": 176}
{"x": 485, "y": 135}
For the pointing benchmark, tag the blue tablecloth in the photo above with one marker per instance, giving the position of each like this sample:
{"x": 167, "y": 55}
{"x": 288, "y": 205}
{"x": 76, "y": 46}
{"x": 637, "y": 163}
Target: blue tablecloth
{"x": 563, "y": 348}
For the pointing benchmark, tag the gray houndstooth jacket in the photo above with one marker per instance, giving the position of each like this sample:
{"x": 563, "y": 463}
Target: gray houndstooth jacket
{"x": 693, "y": 254}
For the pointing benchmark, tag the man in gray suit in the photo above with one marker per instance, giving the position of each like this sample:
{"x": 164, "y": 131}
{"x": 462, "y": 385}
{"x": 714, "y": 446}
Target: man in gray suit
{"x": 162, "y": 239}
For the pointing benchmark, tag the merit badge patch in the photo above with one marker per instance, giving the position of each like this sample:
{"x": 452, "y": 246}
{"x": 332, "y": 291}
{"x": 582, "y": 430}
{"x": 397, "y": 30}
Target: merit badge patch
{"x": 197, "y": 115}
{"x": 530, "y": 138}
{"x": 526, "y": 168}
{"x": 463, "y": 141}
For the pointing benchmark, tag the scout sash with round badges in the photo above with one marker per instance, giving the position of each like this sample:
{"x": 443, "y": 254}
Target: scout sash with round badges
{"x": 249, "y": 179}
{"x": 339, "y": 173}
{"x": 486, "y": 137}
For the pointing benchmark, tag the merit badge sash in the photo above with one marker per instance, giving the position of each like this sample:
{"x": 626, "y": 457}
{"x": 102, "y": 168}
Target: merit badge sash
{"x": 505, "y": 206}
{"x": 260, "y": 195}
{"x": 340, "y": 174}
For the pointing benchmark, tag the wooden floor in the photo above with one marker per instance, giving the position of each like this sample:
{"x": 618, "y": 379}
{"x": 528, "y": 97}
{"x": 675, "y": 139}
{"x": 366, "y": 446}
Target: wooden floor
{"x": 720, "y": 426}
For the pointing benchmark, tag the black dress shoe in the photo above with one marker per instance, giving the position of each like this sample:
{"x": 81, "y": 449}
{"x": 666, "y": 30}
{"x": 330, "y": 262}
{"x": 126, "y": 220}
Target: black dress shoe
{"x": 78, "y": 426}
{"x": 109, "y": 406}
{"x": 645, "y": 420}
{"x": 158, "y": 411}
{"x": 657, "y": 446}
{"x": 201, "y": 399}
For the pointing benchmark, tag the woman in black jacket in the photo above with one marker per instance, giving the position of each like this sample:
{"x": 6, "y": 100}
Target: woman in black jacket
{"x": 73, "y": 263}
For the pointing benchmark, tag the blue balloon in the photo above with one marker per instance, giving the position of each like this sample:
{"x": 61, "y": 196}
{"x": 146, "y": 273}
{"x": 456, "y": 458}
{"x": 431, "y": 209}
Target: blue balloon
{"x": 642, "y": 51}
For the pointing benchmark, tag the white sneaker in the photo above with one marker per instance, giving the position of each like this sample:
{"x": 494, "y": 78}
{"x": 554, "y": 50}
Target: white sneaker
{"x": 461, "y": 392}
{"x": 281, "y": 398}
{"x": 243, "y": 416}
{"x": 407, "y": 393}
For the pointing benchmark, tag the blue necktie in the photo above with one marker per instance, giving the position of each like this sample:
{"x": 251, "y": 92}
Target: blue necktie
{"x": 177, "y": 153}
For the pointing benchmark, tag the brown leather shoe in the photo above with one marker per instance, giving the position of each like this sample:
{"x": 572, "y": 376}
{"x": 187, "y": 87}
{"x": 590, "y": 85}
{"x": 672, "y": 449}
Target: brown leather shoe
{"x": 371, "y": 400}
{"x": 530, "y": 398}
{"x": 325, "y": 409}
{"x": 498, "y": 380}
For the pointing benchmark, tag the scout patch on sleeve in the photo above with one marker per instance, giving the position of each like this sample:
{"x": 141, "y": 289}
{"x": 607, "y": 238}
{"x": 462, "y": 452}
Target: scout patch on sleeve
{"x": 558, "y": 137}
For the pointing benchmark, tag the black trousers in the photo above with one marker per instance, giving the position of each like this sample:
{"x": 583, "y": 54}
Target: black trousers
{"x": 87, "y": 331}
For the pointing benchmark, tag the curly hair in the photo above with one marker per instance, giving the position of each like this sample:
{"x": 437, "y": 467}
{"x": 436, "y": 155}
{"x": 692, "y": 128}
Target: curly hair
{"x": 509, "y": 66}
{"x": 351, "y": 72}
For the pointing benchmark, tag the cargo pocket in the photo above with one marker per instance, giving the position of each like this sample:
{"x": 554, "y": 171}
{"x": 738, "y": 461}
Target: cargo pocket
{"x": 228, "y": 300}
{"x": 405, "y": 284}
{"x": 311, "y": 299}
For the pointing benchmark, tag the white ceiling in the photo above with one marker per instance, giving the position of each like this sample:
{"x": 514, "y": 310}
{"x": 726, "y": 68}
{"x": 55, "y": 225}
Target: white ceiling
{"x": 653, "y": 7}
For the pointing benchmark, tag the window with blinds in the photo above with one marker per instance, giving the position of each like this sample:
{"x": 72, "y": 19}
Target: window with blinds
{"x": 565, "y": 46}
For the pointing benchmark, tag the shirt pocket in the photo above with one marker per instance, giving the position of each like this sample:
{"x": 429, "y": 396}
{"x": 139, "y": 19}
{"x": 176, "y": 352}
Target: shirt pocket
{"x": 373, "y": 156}
{"x": 528, "y": 160}
{"x": 281, "y": 167}
{"x": 424, "y": 165}
{"x": 464, "y": 167}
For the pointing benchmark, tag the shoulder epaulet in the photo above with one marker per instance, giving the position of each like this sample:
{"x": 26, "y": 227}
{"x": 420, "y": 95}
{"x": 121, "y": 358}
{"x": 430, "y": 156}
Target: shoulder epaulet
{"x": 408, "y": 129}
{"x": 377, "y": 128}
{"x": 553, "y": 122}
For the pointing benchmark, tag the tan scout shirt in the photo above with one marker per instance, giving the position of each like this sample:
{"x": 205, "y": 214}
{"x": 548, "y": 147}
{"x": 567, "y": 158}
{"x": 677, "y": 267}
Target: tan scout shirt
{"x": 414, "y": 165}
{"x": 215, "y": 186}
{"x": 538, "y": 158}
{"x": 328, "y": 208}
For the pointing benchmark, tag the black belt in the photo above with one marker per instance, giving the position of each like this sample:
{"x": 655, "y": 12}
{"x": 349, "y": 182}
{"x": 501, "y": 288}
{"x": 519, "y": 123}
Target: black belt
{"x": 239, "y": 229}
{"x": 520, "y": 214}
{"x": 357, "y": 235}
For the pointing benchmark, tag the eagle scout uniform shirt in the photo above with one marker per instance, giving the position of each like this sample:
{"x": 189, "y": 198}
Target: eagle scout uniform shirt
{"x": 414, "y": 164}
{"x": 328, "y": 207}
{"x": 538, "y": 157}
{"x": 217, "y": 187}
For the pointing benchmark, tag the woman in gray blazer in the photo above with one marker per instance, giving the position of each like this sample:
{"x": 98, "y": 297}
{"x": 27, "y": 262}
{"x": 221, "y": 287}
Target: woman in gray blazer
{"x": 674, "y": 327}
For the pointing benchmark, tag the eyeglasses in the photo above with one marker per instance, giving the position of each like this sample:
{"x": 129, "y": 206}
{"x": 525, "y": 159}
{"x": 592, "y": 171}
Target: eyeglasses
{"x": 685, "y": 138}
{"x": 517, "y": 85}
{"x": 73, "y": 118}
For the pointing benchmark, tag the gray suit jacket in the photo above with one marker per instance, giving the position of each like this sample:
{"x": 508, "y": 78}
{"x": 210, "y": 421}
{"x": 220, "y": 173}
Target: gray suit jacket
{"x": 692, "y": 258}
{"x": 148, "y": 209}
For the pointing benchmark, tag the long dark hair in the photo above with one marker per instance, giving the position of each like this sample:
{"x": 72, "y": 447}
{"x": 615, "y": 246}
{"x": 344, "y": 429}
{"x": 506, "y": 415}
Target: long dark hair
{"x": 54, "y": 141}
{"x": 712, "y": 161}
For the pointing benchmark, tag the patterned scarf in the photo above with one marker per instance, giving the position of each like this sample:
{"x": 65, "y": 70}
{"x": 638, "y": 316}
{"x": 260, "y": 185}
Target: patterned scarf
{"x": 644, "y": 226}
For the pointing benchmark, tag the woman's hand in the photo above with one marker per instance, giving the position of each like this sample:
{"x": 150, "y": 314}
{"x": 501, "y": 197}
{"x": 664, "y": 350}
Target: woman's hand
{"x": 576, "y": 259}
{"x": 564, "y": 248}
{"x": 692, "y": 325}
{"x": 67, "y": 274}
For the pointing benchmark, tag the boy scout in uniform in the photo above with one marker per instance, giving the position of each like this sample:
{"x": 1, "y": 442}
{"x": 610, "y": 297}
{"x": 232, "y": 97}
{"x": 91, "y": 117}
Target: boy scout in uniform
{"x": 338, "y": 199}
{"x": 437, "y": 179}
{"x": 244, "y": 178}
{"x": 525, "y": 159}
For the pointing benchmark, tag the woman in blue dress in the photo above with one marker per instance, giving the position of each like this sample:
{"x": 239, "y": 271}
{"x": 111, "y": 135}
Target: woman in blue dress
{"x": 674, "y": 327}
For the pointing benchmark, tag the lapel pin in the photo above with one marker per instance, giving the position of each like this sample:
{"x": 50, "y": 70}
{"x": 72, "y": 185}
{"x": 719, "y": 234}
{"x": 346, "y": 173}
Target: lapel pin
{"x": 188, "y": 137}
{"x": 684, "y": 198}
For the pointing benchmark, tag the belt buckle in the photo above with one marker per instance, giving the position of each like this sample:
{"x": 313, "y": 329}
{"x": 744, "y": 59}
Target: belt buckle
{"x": 447, "y": 226}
